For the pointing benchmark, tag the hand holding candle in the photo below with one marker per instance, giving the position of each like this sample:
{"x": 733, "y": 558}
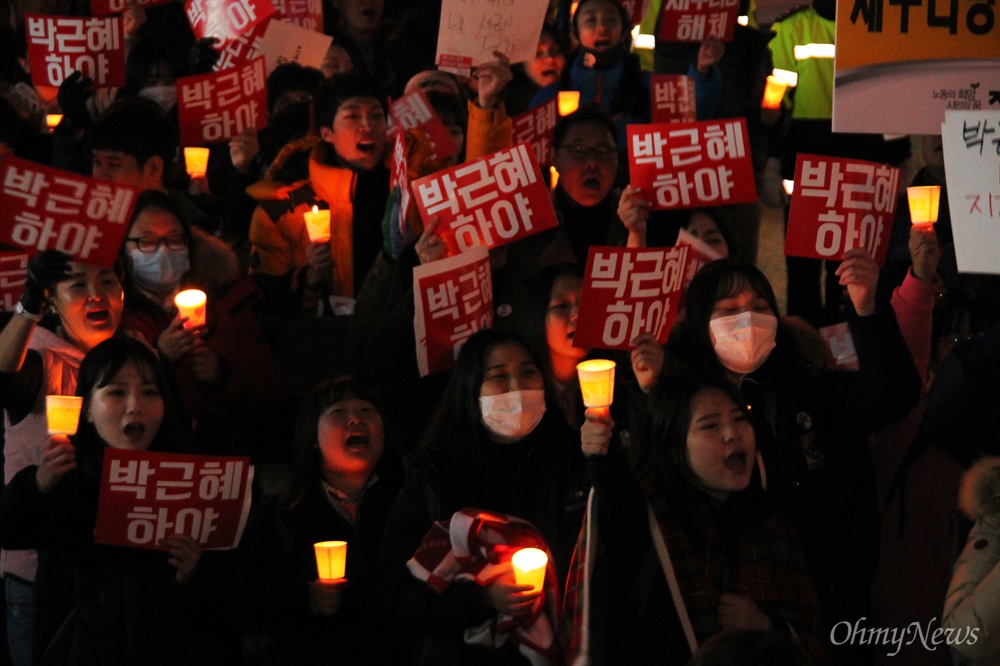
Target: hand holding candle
{"x": 63, "y": 413}
{"x": 529, "y": 568}
{"x": 924, "y": 202}
{"x": 331, "y": 559}
{"x": 191, "y": 303}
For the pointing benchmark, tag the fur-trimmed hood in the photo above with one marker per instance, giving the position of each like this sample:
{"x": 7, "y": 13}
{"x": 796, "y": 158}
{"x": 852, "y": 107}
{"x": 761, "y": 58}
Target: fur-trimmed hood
{"x": 214, "y": 265}
{"x": 979, "y": 494}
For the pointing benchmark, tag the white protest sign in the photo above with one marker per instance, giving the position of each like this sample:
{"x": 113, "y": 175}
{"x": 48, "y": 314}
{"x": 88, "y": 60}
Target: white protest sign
{"x": 476, "y": 28}
{"x": 971, "y": 141}
{"x": 286, "y": 42}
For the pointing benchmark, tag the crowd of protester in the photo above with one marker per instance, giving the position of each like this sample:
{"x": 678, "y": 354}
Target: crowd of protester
{"x": 743, "y": 500}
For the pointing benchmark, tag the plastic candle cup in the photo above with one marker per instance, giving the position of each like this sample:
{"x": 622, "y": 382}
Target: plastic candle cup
{"x": 191, "y": 304}
{"x": 569, "y": 101}
{"x": 529, "y": 567}
{"x": 196, "y": 161}
{"x": 63, "y": 413}
{"x": 788, "y": 186}
{"x": 318, "y": 224}
{"x": 597, "y": 382}
{"x": 53, "y": 119}
{"x": 924, "y": 203}
{"x": 774, "y": 91}
{"x": 331, "y": 559}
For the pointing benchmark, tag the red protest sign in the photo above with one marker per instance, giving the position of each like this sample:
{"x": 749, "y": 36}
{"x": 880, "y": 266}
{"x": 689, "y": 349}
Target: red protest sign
{"x": 243, "y": 48}
{"x": 413, "y": 111}
{"x": 109, "y": 7}
{"x": 399, "y": 177}
{"x": 452, "y": 298}
{"x": 699, "y": 254}
{"x": 840, "y": 349}
{"x": 146, "y": 496}
{"x": 217, "y": 106}
{"x": 689, "y": 165}
{"x": 61, "y": 45}
{"x": 491, "y": 201}
{"x": 673, "y": 98}
{"x": 226, "y": 19}
{"x": 42, "y": 208}
{"x": 694, "y": 20}
{"x": 537, "y": 127}
{"x": 634, "y": 9}
{"x": 839, "y": 204}
{"x": 303, "y": 13}
{"x": 13, "y": 274}
{"x": 629, "y": 291}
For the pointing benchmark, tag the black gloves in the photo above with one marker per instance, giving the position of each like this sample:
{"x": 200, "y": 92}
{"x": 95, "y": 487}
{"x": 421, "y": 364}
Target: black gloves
{"x": 73, "y": 95}
{"x": 45, "y": 269}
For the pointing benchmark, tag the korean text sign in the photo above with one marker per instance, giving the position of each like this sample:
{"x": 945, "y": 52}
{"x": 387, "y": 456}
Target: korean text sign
{"x": 61, "y": 45}
{"x": 699, "y": 254}
{"x": 471, "y": 30}
{"x": 537, "y": 127}
{"x": 13, "y": 274}
{"x": 971, "y": 142}
{"x": 244, "y": 47}
{"x": 839, "y": 204}
{"x": 490, "y": 201}
{"x": 42, "y": 208}
{"x": 226, "y": 19}
{"x": 689, "y": 165}
{"x": 673, "y": 98}
{"x": 303, "y": 13}
{"x": 694, "y": 20}
{"x": 217, "y": 106}
{"x": 627, "y": 292}
{"x": 453, "y": 298}
{"x": 413, "y": 111}
{"x": 146, "y": 496}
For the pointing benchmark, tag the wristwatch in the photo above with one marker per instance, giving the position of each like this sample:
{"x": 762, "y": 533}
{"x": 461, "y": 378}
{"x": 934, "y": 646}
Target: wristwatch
{"x": 19, "y": 310}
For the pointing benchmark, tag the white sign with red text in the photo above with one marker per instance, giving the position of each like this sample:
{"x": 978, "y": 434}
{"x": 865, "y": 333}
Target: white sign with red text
{"x": 217, "y": 106}
{"x": 971, "y": 142}
{"x": 452, "y": 298}
{"x": 839, "y": 204}
{"x": 61, "y": 45}
{"x": 147, "y": 496}
{"x": 627, "y": 292}
{"x": 690, "y": 165}
{"x": 42, "y": 208}
{"x": 488, "y": 202}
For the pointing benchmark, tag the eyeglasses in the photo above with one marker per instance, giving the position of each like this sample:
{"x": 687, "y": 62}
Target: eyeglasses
{"x": 152, "y": 243}
{"x": 602, "y": 152}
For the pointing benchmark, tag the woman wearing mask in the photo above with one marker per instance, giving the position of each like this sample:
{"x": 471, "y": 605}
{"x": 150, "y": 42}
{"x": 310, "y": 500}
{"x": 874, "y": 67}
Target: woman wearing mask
{"x": 129, "y": 605}
{"x": 35, "y": 361}
{"x": 227, "y": 376}
{"x": 692, "y": 505}
{"x": 811, "y": 423}
{"x": 493, "y": 448}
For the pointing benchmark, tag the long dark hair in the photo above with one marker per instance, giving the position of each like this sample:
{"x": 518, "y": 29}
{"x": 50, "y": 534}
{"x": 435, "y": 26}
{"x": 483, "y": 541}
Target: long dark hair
{"x": 307, "y": 462}
{"x": 99, "y": 368}
{"x": 532, "y": 320}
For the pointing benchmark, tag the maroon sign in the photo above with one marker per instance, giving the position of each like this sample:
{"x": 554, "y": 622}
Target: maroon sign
{"x": 42, "y": 208}
{"x": 694, "y": 20}
{"x": 413, "y": 111}
{"x": 227, "y": 20}
{"x": 217, "y": 106}
{"x": 839, "y": 204}
{"x": 61, "y": 45}
{"x": 13, "y": 274}
{"x": 148, "y": 496}
{"x": 627, "y": 292}
{"x": 673, "y": 98}
{"x": 109, "y": 7}
{"x": 537, "y": 127}
{"x": 303, "y": 13}
{"x": 690, "y": 165}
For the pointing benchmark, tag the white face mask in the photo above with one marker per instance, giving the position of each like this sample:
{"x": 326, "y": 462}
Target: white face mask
{"x": 744, "y": 341}
{"x": 159, "y": 271}
{"x": 514, "y": 414}
{"x": 165, "y": 96}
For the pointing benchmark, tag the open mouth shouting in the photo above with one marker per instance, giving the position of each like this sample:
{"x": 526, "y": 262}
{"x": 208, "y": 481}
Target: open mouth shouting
{"x": 357, "y": 442}
{"x": 134, "y": 432}
{"x": 738, "y": 462}
{"x": 99, "y": 316}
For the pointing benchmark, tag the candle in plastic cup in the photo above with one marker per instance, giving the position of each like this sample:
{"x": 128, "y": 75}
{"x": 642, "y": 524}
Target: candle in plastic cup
{"x": 553, "y": 177}
{"x": 63, "y": 413}
{"x": 191, "y": 304}
{"x": 569, "y": 101}
{"x": 924, "y": 202}
{"x": 774, "y": 91}
{"x": 597, "y": 382}
{"x": 331, "y": 559}
{"x": 196, "y": 161}
{"x": 529, "y": 568}
{"x": 53, "y": 119}
{"x": 318, "y": 224}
